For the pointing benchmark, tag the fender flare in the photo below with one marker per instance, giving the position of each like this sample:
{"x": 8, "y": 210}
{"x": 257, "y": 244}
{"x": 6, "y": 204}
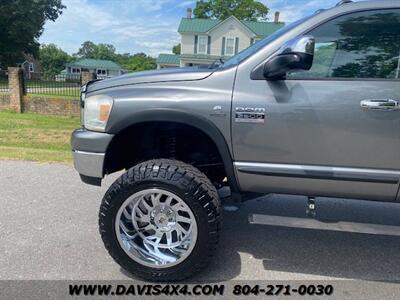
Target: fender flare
{"x": 178, "y": 116}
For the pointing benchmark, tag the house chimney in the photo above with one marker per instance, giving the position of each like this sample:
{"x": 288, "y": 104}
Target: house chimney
{"x": 189, "y": 13}
{"x": 276, "y": 20}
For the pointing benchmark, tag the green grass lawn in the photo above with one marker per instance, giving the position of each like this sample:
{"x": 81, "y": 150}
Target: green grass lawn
{"x": 53, "y": 83}
{"x": 58, "y": 94}
{"x": 36, "y": 137}
{"x": 53, "y": 88}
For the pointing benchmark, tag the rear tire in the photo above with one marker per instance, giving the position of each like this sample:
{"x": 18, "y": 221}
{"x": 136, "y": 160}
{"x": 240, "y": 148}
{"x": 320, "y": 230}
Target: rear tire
{"x": 174, "y": 254}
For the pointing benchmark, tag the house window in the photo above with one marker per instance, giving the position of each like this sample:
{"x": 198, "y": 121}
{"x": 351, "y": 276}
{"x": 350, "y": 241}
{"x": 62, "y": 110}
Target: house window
{"x": 202, "y": 44}
{"x": 230, "y": 46}
{"x": 101, "y": 72}
{"x": 31, "y": 69}
{"x": 75, "y": 70}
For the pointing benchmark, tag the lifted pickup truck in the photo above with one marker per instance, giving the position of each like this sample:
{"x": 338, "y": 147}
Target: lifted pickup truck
{"x": 313, "y": 109}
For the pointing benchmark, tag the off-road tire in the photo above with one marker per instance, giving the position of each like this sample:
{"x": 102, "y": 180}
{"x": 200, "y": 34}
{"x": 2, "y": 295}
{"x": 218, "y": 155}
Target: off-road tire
{"x": 185, "y": 181}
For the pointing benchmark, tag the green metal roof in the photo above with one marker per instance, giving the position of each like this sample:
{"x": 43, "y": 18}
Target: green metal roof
{"x": 196, "y": 25}
{"x": 263, "y": 28}
{"x": 204, "y": 25}
{"x": 94, "y": 64}
{"x": 169, "y": 59}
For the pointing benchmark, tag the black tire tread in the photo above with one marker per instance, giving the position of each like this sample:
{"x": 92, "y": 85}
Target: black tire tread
{"x": 178, "y": 173}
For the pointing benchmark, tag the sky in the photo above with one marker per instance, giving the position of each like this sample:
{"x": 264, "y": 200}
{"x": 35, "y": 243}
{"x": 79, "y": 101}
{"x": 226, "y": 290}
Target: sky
{"x": 148, "y": 26}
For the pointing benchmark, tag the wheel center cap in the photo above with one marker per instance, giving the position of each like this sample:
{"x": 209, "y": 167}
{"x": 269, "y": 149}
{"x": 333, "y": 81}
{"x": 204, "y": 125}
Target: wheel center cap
{"x": 163, "y": 218}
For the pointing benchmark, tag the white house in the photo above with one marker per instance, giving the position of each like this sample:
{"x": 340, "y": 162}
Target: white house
{"x": 205, "y": 40}
{"x": 102, "y": 68}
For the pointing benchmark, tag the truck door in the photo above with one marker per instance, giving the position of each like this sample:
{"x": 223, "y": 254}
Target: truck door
{"x": 333, "y": 130}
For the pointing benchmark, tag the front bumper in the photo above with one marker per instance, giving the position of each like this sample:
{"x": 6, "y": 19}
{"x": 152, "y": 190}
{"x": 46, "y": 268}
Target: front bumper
{"x": 89, "y": 163}
{"x": 89, "y": 150}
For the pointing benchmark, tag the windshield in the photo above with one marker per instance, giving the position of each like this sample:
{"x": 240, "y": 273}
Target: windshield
{"x": 241, "y": 56}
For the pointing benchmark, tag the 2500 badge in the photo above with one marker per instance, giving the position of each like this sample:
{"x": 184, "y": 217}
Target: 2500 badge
{"x": 250, "y": 114}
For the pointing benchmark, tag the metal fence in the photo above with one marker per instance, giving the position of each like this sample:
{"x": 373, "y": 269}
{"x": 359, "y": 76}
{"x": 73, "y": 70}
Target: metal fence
{"x": 3, "y": 81}
{"x": 98, "y": 76}
{"x": 67, "y": 85}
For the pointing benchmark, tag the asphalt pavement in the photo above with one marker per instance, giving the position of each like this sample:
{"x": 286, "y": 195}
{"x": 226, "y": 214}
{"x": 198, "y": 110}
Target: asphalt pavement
{"x": 48, "y": 230}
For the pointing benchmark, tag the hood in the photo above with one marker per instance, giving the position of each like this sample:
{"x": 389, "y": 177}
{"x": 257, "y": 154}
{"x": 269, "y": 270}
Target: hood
{"x": 164, "y": 75}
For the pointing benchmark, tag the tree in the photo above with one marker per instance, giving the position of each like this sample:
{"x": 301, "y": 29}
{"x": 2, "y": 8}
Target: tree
{"x": 376, "y": 55}
{"x": 140, "y": 62}
{"x": 96, "y": 51}
{"x": 87, "y": 50}
{"x": 202, "y": 9}
{"x": 176, "y": 49}
{"x": 105, "y": 51}
{"x": 21, "y": 24}
{"x": 122, "y": 59}
{"x": 249, "y": 10}
{"x": 52, "y": 59}
{"x": 136, "y": 62}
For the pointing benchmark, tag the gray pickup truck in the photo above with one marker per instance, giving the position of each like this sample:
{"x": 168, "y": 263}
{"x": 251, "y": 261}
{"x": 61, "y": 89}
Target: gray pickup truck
{"x": 313, "y": 109}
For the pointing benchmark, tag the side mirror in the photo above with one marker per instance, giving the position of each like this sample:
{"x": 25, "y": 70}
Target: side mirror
{"x": 297, "y": 54}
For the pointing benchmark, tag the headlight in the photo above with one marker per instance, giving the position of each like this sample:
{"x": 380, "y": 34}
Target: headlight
{"x": 96, "y": 112}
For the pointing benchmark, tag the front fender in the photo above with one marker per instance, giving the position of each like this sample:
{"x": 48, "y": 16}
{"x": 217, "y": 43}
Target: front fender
{"x": 178, "y": 116}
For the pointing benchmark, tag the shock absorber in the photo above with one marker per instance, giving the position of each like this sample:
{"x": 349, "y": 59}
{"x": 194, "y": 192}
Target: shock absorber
{"x": 171, "y": 146}
{"x": 168, "y": 144}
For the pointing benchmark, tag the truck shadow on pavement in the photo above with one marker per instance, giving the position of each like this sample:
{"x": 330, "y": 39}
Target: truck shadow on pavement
{"x": 305, "y": 253}
{"x": 247, "y": 251}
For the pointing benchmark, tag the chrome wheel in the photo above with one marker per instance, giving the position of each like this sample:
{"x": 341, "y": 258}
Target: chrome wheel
{"x": 156, "y": 228}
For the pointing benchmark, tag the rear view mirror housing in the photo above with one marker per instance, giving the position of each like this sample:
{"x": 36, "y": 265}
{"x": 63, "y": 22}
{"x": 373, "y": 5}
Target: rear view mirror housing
{"x": 297, "y": 54}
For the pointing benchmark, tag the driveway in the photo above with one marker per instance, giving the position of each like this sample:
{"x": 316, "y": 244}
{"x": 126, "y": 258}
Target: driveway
{"x": 48, "y": 230}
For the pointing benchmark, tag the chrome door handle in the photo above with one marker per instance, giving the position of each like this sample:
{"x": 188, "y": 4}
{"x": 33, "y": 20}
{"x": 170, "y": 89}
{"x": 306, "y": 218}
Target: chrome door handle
{"x": 380, "y": 104}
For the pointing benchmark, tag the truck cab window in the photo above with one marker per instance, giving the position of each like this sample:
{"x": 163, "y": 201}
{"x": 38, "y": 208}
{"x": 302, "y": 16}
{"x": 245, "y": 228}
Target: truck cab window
{"x": 358, "y": 45}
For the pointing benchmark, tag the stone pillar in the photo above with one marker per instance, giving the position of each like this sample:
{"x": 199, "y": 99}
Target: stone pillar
{"x": 15, "y": 86}
{"x": 87, "y": 76}
{"x": 276, "y": 18}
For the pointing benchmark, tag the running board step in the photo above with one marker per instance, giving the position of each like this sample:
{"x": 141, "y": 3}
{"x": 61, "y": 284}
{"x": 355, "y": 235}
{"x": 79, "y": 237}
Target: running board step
{"x": 318, "y": 225}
